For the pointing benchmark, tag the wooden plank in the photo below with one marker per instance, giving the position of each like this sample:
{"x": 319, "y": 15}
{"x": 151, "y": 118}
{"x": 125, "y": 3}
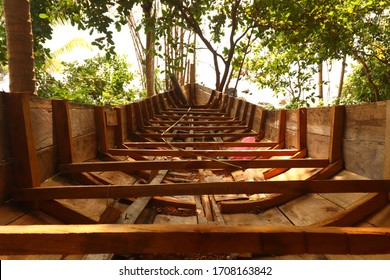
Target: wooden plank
{"x": 131, "y": 214}
{"x": 336, "y": 134}
{"x": 386, "y": 152}
{"x": 81, "y": 239}
{"x": 289, "y": 187}
{"x": 22, "y": 144}
{"x": 309, "y": 209}
{"x": 65, "y": 214}
{"x": 175, "y": 220}
{"x": 63, "y": 130}
{"x": 189, "y": 164}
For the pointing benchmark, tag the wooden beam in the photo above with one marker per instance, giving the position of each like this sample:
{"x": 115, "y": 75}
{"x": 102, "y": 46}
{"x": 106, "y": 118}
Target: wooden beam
{"x": 386, "y": 152}
{"x": 218, "y": 122}
{"x": 198, "y": 127}
{"x": 122, "y": 191}
{"x": 127, "y": 166}
{"x": 196, "y": 135}
{"x": 199, "y": 144}
{"x": 63, "y": 128}
{"x": 282, "y": 128}
{"x": 119, "y": 135}
{"x": 302, "y": 128}
{"x": 207, "y": 153}
{"x": 22, "y": 140}
{"x": 336, "y": 134}
{"x": 101, "y": 129}
{"x": 83, "y": 239}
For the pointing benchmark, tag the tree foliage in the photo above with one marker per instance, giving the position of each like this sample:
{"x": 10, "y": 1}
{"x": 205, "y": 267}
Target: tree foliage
{"x": 100, "y": 80}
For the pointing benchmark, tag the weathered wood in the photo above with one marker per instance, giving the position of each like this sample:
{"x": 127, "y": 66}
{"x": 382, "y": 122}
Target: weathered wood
{"x": 288, "y": 187}
{"x": 336, "y": 134}
{"x": 207, "y": 153}
{"x": 198, "y": 128}
{"x": 302, "y": 128}
{"x": 282, "y": 128}
{"x": 22, "y": 144}
{"x": 198, "y": 145}
{"x": 63, "y": 129}
{"x": 163, "y": 201}
{"x": 386, "y": 170}
{"x": 101, "y": 128}
{"x": 80, "y": 239}
{"x": 276, "y": 171}
{"x": 358, "y": 211}
{"x": 128, "y": 166}
{"x": 65, "y": 214}
{"x": 119, "y": 135}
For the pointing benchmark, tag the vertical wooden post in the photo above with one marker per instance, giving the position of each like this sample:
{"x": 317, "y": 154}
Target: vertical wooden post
{"x": 336, "y": 134}
{"x": 386, "y": 171}
{"x": 129, "y": 117}
{"x": 192, "y": 85}
{"x": 119, "y": 137}
{"x": 101, "y": 129}
{"x": 282, "y": 129}
{"x": 22, "y": 141}
{"x": 302, "y": 128}
{"x": 238, "y": 109}
{"x": 263, "y": 118}
{"x": 62, "y": 126}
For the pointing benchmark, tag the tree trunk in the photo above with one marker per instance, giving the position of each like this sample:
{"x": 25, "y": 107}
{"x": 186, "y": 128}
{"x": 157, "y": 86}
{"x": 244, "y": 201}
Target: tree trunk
{"x": 367, "y": 70}
{"x": 149, "y": 56}
{"x": 320, "y": 81}
{"x": 20, "y": 46}
{"x": 342, "y": 74}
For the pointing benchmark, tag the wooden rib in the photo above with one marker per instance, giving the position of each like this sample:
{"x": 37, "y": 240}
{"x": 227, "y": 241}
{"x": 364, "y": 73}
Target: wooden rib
{"x": 302, "y": 128}
{"x": 172, "y": 202}
{"x": 127, "y": 166}
{"x": 279, "y": 198}
{"x": 83, "y": 239}
{"x": 272, "y": 200}
{"x": 358, "y": 211}
{"x": 119, "y": 191}
{"x": 336, "y": 134}
{"x": 22, "y": 144}
{"x": 276, "y": 171}
{"x": 101, "y": 128}
{"x": 61, "y": 119}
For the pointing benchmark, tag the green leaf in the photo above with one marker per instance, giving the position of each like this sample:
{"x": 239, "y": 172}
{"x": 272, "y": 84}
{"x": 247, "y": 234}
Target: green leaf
{"x": 43, "y": 16}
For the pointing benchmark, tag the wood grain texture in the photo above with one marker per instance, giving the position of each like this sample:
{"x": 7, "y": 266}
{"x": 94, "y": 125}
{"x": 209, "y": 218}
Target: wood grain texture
{"x": 81, "y": 239}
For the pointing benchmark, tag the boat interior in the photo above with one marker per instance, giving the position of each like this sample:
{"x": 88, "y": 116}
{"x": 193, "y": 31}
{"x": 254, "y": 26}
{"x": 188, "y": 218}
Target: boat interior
{"x": 193, "y": 173}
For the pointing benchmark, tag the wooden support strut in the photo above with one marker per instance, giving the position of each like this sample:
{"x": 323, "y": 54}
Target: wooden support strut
{"x": 121, "y": 191}
{"x": 22, "y": 144}
{"x": 82, "y": 239}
